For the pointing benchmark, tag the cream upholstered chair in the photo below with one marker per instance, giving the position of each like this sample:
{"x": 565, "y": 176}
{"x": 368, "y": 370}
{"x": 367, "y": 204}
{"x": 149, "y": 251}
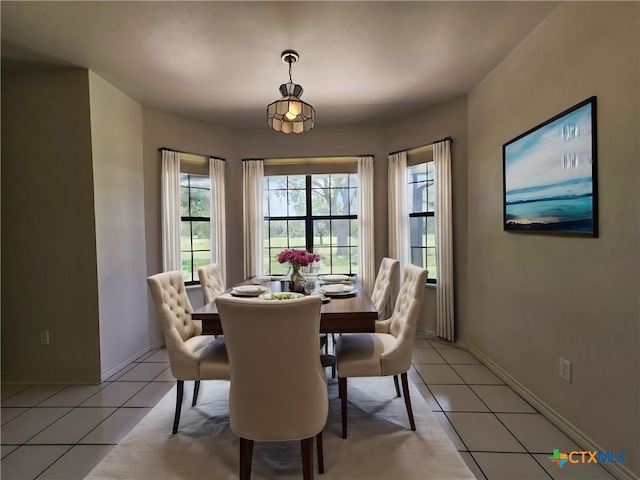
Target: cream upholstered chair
{"x": 385, "y": 280}
{"x": 211, "y": 282}
{"x": 192, "y": 356}
{"x": 388, "y": 350}
{"x": 285, "y": 398}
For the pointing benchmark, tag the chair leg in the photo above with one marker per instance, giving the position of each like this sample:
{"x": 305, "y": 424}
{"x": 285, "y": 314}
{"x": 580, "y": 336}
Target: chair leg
{"x": 179, "y": 392}
{"x": 320, "y": 453}
{"x": 395, "y": 381}
{"x": 324, "y": 339}
{"x": 306, "y": 445}
{"x": 329, "y": 360}
{"x": 246, "y": 455}
{"x": 407, "y": 399}
{"x": 196, "y": 389}
{"x": 342, "y": 389}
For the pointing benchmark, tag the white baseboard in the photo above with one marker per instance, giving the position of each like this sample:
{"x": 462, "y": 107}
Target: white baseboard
{"x": 432, "y": 335}
{"x": 49, "y": 379}
{"x": 74, "y": 378}
{"x": 425, "y": 334}
{"x": 619, "y": 470}
{"x": 120, "y": 365}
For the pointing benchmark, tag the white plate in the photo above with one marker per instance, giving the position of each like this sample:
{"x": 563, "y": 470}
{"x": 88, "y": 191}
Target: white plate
{"x": 270, "y": 296}
{"x": 334, "y": 278}
{"x": 247, "y": 290}
{"x": 324, "y": 298}
{"x": 261, "y": 279}
{"x": 337, "y": 290}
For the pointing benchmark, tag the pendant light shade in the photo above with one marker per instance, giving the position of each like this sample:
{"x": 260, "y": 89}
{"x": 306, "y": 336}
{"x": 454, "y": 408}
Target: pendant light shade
{"x": 289, "y": 114}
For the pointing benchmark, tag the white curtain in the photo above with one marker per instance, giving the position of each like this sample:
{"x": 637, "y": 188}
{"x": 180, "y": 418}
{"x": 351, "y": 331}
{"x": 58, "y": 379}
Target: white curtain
{"x": 170, "y": 178}
{"x": 252, "y": 173}
{"x": 366, "y": 263}
{"x": 398, "y": 208}
{"x": 444, "y": 240}
{"x": 218, "y": 215}
{"x": 398, "y": 214}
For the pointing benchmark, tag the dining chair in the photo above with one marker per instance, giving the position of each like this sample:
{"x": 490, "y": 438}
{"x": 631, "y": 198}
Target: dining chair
{"x": 284, "y": 398}
{"x": 385, "y": 280}
{"x": 211, "y": 282}
{"x": 387, "y": 351}
{"x": 192, "y": 356}
{"x": 381, "y": 295}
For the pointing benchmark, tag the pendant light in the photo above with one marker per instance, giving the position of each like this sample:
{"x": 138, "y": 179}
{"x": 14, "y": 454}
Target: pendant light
{"x": 289, "y": 114}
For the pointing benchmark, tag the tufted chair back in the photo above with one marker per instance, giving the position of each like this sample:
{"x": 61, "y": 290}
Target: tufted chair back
{"x": 292, "y": 385}
{"x": 192, "y": 356}
{"x": 385, "y": 280}
{"x": 211, "y": 282}
{"x": 284, "y": 398}
{"x": 403, "y": 322}
{"x": 170, "y": 296}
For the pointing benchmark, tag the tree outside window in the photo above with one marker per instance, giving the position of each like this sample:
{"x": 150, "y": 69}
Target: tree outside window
{"x": 422, "y": 227}
{"x": 195, "y": 235}
{"x": 314, "y": 212}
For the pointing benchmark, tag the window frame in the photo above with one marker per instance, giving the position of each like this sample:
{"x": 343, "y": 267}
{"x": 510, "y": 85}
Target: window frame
{"x": 188, "y": 218}
{"x": 433, "y": 280}
{"x": 309, "y": 220}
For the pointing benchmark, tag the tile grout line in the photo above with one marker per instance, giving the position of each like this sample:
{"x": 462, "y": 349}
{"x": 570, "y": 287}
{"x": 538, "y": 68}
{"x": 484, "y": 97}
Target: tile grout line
{"x": 494, "y": 413}
{"x": 70, "y": 446}
{"x": 137, "y": 362}
{"x": 490, "y": 410}
{"x": 452, "y": 426}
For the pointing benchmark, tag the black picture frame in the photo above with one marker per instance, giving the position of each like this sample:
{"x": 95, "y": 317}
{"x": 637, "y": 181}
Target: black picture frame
{"x": 550, "y": 175}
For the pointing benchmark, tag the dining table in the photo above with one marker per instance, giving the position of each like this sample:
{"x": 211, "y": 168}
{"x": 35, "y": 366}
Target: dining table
{"x": 354, "y": 313}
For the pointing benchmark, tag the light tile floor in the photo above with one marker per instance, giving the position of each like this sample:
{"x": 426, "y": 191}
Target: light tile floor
{"x": 62, "y": 432}
{"x": 497, "y": 433}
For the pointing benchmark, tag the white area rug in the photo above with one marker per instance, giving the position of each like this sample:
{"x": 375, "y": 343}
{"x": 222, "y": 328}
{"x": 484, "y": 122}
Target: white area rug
{"x": 380, "y": 444}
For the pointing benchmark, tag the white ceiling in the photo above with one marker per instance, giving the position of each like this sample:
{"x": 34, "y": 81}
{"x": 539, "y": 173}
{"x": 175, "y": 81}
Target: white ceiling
{"x": 220, "y": 61}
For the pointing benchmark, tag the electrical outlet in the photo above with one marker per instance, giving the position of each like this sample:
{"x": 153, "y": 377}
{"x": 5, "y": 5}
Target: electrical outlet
{"x": 44, "y": 337}
{"x": 565, "y": 369}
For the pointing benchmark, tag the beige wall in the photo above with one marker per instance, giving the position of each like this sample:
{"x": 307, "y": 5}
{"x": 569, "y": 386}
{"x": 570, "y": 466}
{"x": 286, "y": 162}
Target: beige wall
{"x": 162, "y": 129}
{"x": 534, "y": 298}
{"x": 522, "y": 300}
{"x": 116, "y": 135}
{"x": 172, "y": 131}
{"x": 320, "y": 142}
{"x": 446, "y": 120}
{"x": 48, "y": 237}
{"x": 375, "y": 139}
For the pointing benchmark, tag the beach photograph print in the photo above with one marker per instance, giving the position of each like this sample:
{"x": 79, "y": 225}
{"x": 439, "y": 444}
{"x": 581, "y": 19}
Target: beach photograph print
{"x": 550, "y": 175}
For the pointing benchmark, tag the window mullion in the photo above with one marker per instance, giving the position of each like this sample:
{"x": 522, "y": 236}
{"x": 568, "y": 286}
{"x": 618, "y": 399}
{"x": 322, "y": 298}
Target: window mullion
{"x": 308, "y": 221}
{"x": 192, "y": 255}
{"x": 190, "y": 229}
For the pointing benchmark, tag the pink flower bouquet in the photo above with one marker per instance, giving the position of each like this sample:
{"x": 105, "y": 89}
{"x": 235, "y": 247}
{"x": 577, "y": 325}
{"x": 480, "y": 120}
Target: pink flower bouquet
{"x": 297, "y": 258}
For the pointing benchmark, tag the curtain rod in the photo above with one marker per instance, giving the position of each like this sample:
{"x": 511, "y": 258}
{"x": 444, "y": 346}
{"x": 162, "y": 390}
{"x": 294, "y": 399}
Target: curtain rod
{"x": 310, "y": 157}
{"x": 191, "y": 153}
{"x": 425, "y": 145}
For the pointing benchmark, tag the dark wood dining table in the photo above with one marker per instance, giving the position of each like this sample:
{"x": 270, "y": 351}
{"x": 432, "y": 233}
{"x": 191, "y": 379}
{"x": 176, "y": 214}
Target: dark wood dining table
{"x": 351, "y": 314}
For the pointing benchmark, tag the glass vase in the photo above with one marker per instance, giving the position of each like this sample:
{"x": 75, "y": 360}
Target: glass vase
{"x": 296, "y": 280}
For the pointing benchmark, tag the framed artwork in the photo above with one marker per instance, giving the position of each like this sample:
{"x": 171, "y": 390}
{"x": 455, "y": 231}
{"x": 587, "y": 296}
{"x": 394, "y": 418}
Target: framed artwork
{"x": 549, "y": 175}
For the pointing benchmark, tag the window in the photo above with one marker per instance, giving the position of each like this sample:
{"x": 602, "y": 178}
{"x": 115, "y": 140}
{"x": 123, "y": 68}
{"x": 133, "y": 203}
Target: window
{"x": 195, "y": 230}
{"x": 314, "y": 212}
{"x": 422, "y": 226}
